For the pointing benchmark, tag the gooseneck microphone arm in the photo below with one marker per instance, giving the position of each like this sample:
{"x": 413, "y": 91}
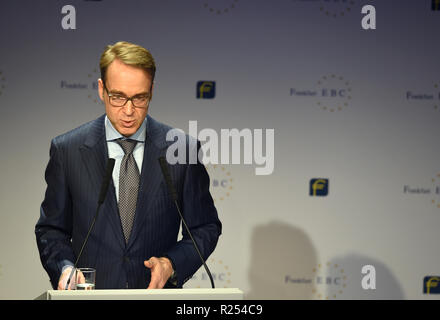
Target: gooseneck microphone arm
{"x": 172, "y": 191}
{"x": 102, "y": 194}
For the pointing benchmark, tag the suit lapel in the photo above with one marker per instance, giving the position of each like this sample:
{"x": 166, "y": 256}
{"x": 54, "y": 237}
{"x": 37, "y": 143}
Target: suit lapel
{"x": 94, "y": 155}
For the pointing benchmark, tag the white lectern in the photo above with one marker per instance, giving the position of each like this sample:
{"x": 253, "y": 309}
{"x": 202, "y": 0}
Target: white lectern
{"x": 144, "y": 294}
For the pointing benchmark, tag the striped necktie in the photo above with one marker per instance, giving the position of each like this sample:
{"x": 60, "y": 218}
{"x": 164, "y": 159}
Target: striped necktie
{"x": 128, "y": 186}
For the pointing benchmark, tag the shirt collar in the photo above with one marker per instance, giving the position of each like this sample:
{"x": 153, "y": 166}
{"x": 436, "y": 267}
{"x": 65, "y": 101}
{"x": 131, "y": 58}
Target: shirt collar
{"x": 112, "y": 134}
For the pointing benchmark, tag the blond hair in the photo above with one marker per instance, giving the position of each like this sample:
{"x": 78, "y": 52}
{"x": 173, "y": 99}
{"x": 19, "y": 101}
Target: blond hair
{"x": 130, "y": 54}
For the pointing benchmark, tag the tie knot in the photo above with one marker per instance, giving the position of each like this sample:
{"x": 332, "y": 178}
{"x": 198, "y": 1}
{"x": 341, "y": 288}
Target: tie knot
{"x": 127, "y": 145}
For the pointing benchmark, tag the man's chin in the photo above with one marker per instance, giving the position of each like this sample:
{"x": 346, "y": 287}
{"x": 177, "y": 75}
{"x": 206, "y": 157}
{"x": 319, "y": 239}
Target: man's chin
{"x": 126, "y": 132}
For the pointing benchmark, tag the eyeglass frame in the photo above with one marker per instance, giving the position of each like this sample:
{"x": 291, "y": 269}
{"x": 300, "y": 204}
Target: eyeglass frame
{"x": 127, "y": 99}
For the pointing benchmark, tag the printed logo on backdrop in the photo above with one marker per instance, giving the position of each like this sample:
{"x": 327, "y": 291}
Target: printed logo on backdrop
{"x": 331, "y": 8}
{"x": 328, "y": 282}
{"x": 429, "y": 97}
{"x": 435, "y": 187}
{"x": 430, "y": 191}
{"x": 221, "y": 182}
{"x": 219, "y": 7}
{"x": 331, "y": 93}
{"x": 220, "y": 272}
{"x": 431, "y": 285}
{"x": 93, "y": 91}
{"x": 2, "y": 82}
{"x": 88, "y": 85}
{"x": 318, "y": 187}
{"x": 205, "y": 90}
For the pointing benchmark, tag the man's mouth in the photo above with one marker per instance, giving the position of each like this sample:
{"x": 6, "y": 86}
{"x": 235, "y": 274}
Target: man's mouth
{"x": 127, "y": 124}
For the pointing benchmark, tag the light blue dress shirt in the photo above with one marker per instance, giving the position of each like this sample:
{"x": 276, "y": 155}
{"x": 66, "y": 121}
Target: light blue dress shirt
{"x": 115, "y": 150}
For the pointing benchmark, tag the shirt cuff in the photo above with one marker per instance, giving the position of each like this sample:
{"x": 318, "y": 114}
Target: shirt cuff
{"x": 66, "y": 264}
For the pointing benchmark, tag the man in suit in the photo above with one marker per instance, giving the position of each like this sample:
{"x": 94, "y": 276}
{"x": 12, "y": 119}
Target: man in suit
{"x": 134, "y": 241}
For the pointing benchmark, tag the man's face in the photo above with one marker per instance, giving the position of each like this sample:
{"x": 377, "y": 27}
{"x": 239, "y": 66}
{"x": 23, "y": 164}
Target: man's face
{"x": 127, "y": 81}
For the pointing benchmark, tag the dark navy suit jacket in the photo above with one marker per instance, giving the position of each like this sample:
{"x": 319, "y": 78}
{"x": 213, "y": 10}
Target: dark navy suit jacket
{"x": 74, "y": 175}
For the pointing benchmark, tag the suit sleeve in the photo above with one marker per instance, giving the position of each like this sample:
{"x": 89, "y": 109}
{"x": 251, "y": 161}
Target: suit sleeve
{"x": 54, "y": 228}
{"x": 201, "y": 216}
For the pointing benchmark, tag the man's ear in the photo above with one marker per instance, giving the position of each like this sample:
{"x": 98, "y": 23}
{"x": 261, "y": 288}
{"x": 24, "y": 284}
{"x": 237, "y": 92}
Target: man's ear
{"x": 101, "y": 89}
{"x": 151, "y": 90}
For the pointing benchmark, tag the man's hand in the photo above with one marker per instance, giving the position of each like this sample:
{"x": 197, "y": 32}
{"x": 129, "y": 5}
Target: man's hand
{"x": 65, "y": 275}
{"x": 161, "y": 271}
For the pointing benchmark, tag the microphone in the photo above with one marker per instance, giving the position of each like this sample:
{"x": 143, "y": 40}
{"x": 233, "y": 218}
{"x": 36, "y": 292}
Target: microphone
{"x": 172, "y": 190}
{"x": 104, "y": 187}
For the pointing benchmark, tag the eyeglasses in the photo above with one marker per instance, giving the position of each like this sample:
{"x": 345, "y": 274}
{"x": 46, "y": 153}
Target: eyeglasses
{"x": 120, "y": 100}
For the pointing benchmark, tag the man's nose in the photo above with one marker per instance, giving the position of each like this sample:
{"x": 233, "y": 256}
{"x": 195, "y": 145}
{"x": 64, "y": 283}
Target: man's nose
{"x": 129, "y": 108}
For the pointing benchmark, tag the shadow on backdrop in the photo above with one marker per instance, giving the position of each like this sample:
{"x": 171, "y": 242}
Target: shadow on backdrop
{"x": 350, "y": 266}
{"x": 282, "y": 262}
